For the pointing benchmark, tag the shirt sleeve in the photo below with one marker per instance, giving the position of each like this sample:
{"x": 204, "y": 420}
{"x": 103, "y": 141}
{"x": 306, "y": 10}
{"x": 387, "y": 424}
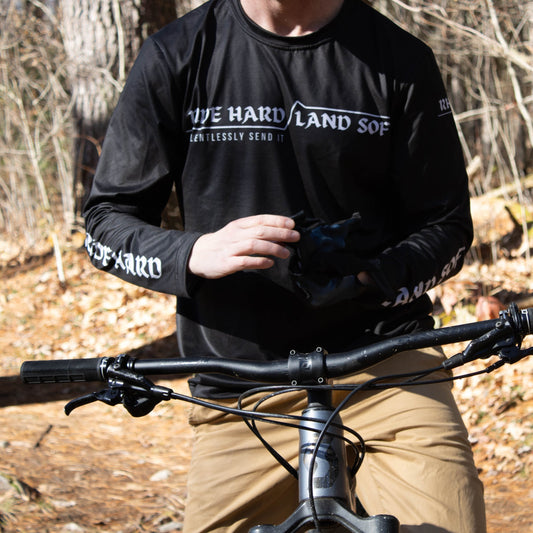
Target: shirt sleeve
{"x": 141, "y": 159}
{"x": 430, "y": 188}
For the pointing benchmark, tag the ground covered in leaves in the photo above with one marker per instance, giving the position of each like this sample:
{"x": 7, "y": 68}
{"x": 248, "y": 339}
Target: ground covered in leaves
{"x": 101, "y": 470}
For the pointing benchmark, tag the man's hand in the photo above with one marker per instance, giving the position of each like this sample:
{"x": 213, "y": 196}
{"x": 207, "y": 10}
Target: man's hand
{"x": 245, "y": 243}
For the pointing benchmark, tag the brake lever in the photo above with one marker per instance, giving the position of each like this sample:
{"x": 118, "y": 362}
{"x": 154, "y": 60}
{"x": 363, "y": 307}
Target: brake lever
{"x": 138, "y": 394}
{"x": 494, "y": 341}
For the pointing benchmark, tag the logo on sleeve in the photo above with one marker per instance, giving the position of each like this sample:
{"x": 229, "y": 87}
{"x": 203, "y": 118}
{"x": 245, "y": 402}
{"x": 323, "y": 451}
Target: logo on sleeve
{"x": 445, "y": 107}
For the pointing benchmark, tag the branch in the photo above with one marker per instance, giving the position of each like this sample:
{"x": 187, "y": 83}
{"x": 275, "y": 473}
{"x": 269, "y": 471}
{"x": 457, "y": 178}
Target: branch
{"x": 492, "y": 45}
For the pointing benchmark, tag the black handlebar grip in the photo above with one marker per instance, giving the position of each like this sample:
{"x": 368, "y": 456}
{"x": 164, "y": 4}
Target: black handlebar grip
{"x": 63, "y": 371}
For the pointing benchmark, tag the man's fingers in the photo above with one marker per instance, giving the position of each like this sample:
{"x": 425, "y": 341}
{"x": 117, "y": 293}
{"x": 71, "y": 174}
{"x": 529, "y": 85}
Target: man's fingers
{"x": 269, "y": 228}
{"x": 267, "y": 233}
{"x": 275, "y": 221}
{"x": 247, "y": 262}
{"x": 259, "y": 247}
{"x": 267, "y": 220}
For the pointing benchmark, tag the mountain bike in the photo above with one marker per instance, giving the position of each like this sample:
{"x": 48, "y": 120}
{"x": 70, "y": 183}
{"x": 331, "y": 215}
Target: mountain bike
{"x": 324, "y": 476}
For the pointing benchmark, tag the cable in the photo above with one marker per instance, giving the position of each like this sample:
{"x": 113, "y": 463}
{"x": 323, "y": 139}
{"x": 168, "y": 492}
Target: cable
{"x": 278, "y": 390}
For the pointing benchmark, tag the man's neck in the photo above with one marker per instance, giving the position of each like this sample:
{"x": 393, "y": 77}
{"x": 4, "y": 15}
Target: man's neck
{"x": 291, "y": 18}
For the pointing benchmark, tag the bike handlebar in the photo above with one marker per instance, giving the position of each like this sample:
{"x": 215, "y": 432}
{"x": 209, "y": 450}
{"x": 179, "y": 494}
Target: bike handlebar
{"x": 315, "y": 367}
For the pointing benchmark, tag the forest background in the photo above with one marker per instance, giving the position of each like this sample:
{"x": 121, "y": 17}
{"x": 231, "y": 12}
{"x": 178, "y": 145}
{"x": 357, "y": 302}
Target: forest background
{"x": 63, "y": 64}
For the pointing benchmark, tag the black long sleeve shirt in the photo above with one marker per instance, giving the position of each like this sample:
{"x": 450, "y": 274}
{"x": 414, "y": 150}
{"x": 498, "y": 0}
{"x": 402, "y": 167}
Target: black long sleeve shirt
{"x": 351, "y": 119}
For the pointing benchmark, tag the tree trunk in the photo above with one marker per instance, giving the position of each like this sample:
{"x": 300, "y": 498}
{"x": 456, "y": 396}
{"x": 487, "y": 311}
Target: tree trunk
{"x": 102, "y": 39}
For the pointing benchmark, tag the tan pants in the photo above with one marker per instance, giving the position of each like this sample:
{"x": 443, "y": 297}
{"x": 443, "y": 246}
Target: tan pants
{"x": 418, "y": 466}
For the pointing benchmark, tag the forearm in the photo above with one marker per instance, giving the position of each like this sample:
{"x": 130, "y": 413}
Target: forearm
{"x": 408, "y": 270}
{"x": 138, "y": 252}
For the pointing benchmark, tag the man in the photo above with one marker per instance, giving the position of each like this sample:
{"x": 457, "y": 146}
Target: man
{"x": 323, "y": 193}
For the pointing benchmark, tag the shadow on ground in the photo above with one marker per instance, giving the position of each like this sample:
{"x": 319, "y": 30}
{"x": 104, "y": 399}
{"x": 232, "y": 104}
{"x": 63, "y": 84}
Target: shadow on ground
{"x": 14, "y": 392}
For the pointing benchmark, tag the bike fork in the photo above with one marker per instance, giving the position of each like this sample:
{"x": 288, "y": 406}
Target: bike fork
{"x": 325, "y": 494}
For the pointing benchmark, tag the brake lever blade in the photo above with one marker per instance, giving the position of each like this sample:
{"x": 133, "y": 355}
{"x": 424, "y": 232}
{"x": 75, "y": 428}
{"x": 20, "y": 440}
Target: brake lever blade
{"x": 108, "y": 396}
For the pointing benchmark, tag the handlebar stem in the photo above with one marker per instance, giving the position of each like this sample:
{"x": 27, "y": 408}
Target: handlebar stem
{"x": 307, "y": 368}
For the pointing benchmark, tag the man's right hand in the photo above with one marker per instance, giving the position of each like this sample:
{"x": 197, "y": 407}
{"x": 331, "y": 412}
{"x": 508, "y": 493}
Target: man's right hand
{"x": 243, "y": 244}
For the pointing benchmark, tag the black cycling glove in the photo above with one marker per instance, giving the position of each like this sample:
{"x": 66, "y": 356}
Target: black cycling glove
{"x": 322, "y": 268}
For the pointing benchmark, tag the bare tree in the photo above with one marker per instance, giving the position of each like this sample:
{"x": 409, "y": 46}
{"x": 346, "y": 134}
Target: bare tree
{"x": 101, "y": 39}
{"x": 33, "y": 106}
